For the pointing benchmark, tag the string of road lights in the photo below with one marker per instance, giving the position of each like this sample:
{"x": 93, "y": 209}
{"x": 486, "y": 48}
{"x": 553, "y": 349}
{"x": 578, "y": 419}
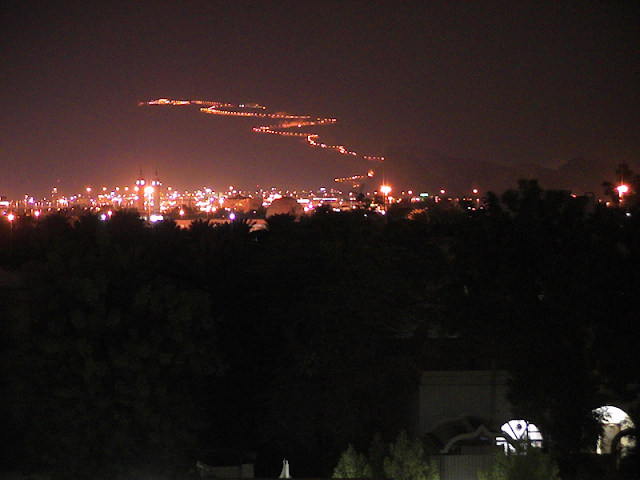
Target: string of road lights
{"x": 283, "y": 128}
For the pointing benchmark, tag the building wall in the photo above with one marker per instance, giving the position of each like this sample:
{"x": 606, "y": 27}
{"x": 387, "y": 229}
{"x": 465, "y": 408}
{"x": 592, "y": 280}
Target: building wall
{"x": 463, "y": 467}
{"x": 450, "y": 395}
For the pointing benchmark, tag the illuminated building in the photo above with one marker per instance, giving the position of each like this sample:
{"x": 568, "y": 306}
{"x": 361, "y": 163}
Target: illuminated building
{"x": 139, "y": 189}
{"x": 242, "y": 204}
{"x": 285, "y": 206}
{"x": 157, "y": 185}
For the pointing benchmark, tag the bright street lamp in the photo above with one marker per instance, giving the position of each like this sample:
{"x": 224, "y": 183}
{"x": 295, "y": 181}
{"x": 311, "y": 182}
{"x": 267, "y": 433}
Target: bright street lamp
{"x": 11, "y": 217}
{"x": 386, "y": 190}
{"x": 622, "y": 189}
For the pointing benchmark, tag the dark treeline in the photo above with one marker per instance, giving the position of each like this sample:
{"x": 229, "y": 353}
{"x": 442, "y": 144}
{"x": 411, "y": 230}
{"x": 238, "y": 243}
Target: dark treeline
{"x": 128, "y": 346}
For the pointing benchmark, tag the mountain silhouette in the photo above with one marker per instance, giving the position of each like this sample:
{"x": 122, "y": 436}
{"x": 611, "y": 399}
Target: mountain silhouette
{"x": 412, "y": 167}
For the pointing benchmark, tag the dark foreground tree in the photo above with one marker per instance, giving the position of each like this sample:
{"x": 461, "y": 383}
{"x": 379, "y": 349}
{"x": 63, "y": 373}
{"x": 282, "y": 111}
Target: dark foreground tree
{"x": 110, "y": 367}
{"x": 545, "y": 284}
{"x": 112, "y": 357}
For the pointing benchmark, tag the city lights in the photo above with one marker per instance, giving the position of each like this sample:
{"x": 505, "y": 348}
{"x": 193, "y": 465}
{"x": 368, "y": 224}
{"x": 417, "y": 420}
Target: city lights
{"x": 153, "y": 201}
{"x": 286, "y": 122}
{"x": 288, "y": 125}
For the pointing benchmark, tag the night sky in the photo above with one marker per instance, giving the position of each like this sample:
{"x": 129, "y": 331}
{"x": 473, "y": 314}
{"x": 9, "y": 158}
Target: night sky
{"x": 505, "y": 82}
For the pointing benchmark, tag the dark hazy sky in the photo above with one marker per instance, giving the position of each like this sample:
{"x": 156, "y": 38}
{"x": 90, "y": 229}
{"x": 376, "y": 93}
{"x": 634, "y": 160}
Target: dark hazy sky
{"x": 506, "y": 82}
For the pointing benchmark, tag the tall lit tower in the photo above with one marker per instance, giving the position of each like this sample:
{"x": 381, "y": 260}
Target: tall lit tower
{"x": 140, "y": 185}
{"x": 156, "y": 184}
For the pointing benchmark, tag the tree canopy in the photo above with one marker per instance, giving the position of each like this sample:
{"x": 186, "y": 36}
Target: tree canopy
{"x": 129, "y": 344}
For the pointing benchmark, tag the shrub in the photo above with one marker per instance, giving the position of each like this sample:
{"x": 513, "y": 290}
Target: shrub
{"x": 407, "y": 461}
{"x": 526, "y": 463}
{"x": 352, "y": 465}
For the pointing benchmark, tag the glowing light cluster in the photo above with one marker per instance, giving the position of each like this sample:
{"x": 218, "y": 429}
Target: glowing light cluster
{"x": 287, "y": 121}
{"x": 348, "y": 179}
{"x": 166, "y": 101}
{"x": 311, "y": 139}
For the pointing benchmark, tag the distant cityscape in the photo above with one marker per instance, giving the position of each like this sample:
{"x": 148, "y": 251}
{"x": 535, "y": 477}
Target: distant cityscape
{"x": 422, "y": 176}
{"x": 154, "y": 200}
